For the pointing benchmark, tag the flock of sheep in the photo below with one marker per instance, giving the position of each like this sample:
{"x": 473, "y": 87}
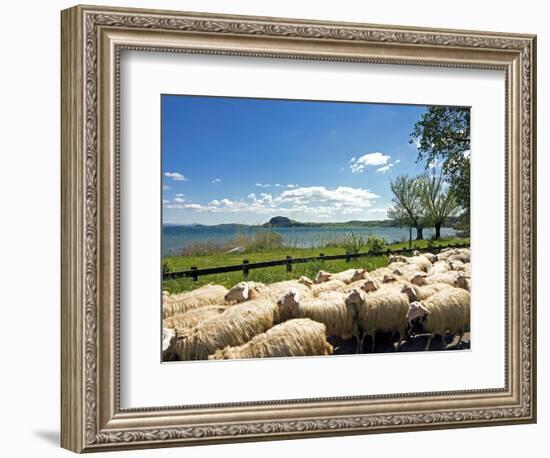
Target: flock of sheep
{"x": 424, "y": 293}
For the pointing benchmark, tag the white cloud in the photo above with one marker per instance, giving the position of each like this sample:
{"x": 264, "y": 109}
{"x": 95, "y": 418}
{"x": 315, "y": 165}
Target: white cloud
{"x": 165, "y": 187}
{"x": 179, "y": 199}
{"x": 387, "y": 167}
{"x": 216, "y": 180}
{"x": 263, "y": 185}
{"x": 291, "y": 185}
{"x": 307, "y": 202}
{"x": 369, "y": 159}
{"x": 176, "y": 176}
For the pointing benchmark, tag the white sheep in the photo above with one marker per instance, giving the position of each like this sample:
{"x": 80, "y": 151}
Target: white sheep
{"x": 329, "y": 308}
{"x": 446, "y": 311}
{"x": 407, "y": 271}
{"x": 331, "y": 285}
{"x": 420, "y": 261}
{"x": 235, "y": 326}
{"x": 397, "y": 258}
{"x": 381, "y": 311}
{"x": 429, "y": 256}
{"x": 246, "y": 290}
{"x": 422, "y": 279}
{"x": 419, "y": 293}
{"x": 168, "y": 335}
{"x": 464, "y": 282}
{"x": 298, "y": 337}
{"x": 439, "y": 267}
{"x": 200, "y": 297}
{"x": 347, "y": 276}
{"x": 191, "y": 318}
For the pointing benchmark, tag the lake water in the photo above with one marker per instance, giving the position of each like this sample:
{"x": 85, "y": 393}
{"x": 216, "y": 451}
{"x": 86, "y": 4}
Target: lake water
{"x": 175, "y": 238}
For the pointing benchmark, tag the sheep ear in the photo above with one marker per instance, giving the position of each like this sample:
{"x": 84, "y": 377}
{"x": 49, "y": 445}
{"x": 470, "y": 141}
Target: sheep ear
{"x": 246, "y": 291}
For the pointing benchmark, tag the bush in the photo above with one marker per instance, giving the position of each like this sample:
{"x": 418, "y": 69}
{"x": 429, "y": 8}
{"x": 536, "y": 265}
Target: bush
{"x": 375, "y": 244}
{"x": 167, "y": 267}
{"x": 353, "y": 243}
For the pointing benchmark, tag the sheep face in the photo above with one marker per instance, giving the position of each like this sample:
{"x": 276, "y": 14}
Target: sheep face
{"x": 419, "y": 279}
{"x": 322, "y": 276}
{"x": 239, "y": 293}
{"x": 358, "y": 275}
{"x": 389, "y": 278}
{"x": 289, "y": 300}
{"x": 306, "y": 281}
{"x": 409, "y": 291}
{"x": 370, "y": 286}
{"x": 355, "y": 298}
{"x": 462, "y": 282}
{"x": 416, "y": 311}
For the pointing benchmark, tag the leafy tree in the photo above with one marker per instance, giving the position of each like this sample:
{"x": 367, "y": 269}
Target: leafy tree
{"x": 438, "y": 202}
{"x": 407, "y": 208}
{"x": 443, "y": 136}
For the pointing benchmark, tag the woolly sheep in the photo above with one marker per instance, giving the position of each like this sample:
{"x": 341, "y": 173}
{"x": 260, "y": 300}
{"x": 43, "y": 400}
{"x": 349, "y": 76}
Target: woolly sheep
{"x": 331, "y": 285}
{"x": 429, "y": 256}
{"x": 347, "y": 276}
{"x": 397, "y": 258}
{"x": 462, "y": 255}
{"x": 246, "y": 290}
{"x": 463, "y": 282}
{"x": 420, "y": 261}
{"x": 200, "y": 297}
{"x": 193, "y": 317}
{"x": 299, "y": 337}
{"x": 235, "y": 326}
{"x": 381, "y": 311}
{"x": 276, "y": 290}
{"x": 329, "y": 308}
{"x": 447, "y": 277}
{"x": 446, "y": 311}
{"x": 168, "y": 335}
{"x": 380, "y": 273}
{"x": 456, "y": 265}
{"x": 439, "y": 267}
{"x": 407, "y": 271}
{"x": 419, "y": 293}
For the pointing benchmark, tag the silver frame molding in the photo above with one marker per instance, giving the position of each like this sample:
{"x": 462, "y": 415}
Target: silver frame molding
{"x": 92, "y": 40}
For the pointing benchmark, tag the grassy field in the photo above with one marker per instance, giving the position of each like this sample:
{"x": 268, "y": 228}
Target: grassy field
{"x": 279, "y": 273}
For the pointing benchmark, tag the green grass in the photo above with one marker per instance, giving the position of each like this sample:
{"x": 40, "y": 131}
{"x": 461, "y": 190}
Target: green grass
{"x": 278, "y": 273}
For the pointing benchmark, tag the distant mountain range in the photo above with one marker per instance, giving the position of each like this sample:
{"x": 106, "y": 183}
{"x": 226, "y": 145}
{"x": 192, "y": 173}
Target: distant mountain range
{"x": 283, "y": 221}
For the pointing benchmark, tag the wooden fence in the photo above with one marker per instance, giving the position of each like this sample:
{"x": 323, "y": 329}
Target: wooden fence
{"x": 246, "y": 266}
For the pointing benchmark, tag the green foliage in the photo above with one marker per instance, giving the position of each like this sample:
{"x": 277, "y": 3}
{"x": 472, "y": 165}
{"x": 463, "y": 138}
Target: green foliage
{"x": 407, "y": 209}
{"x": 353, "y": 243}
{"x": 375, "y": 244}
{"x": 167, "y": 266}
{"x": 438, "y": 203}
{"x": 443, "y": 135}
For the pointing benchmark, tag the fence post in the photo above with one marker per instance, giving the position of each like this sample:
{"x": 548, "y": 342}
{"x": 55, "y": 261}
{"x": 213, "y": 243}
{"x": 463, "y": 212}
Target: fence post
{"x": 245, "y": 267}
{"x": 322, "y": 255}
{"x": 289, "y": 263}
{"x": 347, "y": 257}
{"x": 194, "y": 275}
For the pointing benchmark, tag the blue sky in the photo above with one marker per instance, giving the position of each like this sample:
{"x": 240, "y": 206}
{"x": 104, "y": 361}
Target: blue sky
{"x": 237, "y": 160}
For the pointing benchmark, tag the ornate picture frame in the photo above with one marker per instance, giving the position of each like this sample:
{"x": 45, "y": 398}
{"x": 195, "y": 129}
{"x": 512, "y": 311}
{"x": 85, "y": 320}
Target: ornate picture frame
{"x": 92, "y": 41}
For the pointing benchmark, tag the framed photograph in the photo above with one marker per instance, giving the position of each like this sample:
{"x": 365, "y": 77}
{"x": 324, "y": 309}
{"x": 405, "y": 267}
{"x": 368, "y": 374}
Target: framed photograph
{"x": 278, "y": 228}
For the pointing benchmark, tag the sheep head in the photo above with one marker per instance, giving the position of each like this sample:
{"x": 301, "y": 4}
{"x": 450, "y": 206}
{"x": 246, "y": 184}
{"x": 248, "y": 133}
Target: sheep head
{"x": 410, "y": 292}
{"x": 416, "y": 310}
{"x": 322, "y": 276}
{"x": 355, "y": 298}
{"x": 239, "y": 293}
{"x": 306, "y": 281}
{"x": 289, "y": 300}
{"x": 359, "y": 274}
{"x": 419, "y": 279}
{"x": 370, "y": 285}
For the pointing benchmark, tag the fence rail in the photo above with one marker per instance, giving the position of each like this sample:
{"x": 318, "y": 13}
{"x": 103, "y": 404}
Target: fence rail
{"x": 246, "y": 266}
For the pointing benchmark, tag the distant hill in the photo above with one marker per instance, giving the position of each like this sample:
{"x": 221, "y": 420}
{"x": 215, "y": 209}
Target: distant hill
{"x": 283, "y": 221}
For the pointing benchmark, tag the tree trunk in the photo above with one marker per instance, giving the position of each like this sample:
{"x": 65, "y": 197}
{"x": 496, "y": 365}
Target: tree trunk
{"x": 419, "y": 234}
{"x": 410, "y": 237}
{"x": 437, "y": 231}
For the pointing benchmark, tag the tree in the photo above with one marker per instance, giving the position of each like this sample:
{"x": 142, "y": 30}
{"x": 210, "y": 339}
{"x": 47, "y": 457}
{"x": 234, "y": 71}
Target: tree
{"x": 442, "y": 135}
{"x": 438, "y": 203}
{"x": 407, "y": 207}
